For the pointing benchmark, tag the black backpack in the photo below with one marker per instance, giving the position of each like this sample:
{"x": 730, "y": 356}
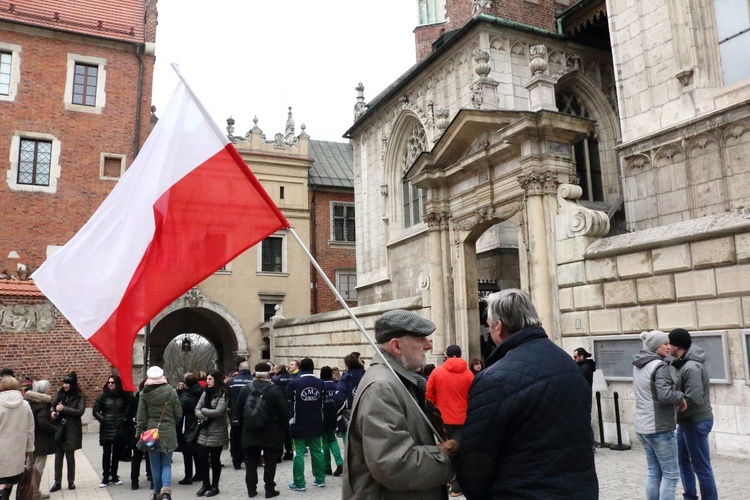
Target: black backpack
{"x": 255, "y": 414}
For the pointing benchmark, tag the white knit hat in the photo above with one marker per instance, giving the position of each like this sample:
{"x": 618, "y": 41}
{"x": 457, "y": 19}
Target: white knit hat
{"x": 155, "y": 372}
{"x": 654, "y": 339}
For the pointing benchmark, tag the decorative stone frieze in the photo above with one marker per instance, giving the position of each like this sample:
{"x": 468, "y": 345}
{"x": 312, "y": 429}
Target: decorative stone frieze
{"x": 540, "y": 182}
{"x": 407, "y": 103}
{"x": 436, "y": 220}
{"x": 27, "y": 318}
{"x": 581, "y": 221}
{"x": 441, "y": 119}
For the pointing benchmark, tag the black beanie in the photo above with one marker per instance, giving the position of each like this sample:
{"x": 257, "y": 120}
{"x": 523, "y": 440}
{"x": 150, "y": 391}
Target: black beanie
{"x": 71, "y": 378}
{"x": 680, "y": 337}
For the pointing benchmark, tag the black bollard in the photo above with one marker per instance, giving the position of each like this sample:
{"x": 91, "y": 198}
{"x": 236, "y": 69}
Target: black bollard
{"x": 601, "y": 443}
{"x": 619, "y": 446}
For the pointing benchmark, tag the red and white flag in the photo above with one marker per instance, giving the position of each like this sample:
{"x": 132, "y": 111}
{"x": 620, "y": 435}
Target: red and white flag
{"x": 186, "y": 206}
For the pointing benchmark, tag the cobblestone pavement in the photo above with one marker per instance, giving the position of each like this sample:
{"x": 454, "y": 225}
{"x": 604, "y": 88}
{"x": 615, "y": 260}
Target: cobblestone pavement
{"x": 622, "y": 476}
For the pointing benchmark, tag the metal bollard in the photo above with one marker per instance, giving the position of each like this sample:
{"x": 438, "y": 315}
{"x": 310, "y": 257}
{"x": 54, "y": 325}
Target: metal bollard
{"x": 601, "y": 443}
{"x": 619, "y": 446}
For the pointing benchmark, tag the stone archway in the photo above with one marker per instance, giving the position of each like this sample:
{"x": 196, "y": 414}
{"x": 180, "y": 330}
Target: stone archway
{"x": 194, "y": 313}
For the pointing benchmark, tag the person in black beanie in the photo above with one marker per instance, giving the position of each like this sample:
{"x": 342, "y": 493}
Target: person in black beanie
{"x": 695, "y": 423}
{"x": 67, "y": 410}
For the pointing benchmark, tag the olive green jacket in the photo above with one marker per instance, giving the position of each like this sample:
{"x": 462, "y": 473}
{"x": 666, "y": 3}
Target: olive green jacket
{"x": 153, "y": 399}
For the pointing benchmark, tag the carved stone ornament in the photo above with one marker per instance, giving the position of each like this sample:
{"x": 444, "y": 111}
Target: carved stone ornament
{"x": 194, "y": 298}
{"x": 484, "y": 214}
{"x": 477, "y": 96}
{"x": 480, "y": 6}
{"x": 436, "y": 220}
{"x": 482, "y": 60}
{"x": 538, "y": 62}
{"x": 539, "y": 182}
{"x": 441, "y": 121}
{"x": 579, "y": 220}
{"x": 424, "y": 282}
{"x": 27, "y": 318}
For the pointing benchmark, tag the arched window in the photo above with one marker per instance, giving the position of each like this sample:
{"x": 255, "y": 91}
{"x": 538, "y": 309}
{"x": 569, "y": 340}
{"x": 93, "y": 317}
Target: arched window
{"x": 413, "y": 197}
{"x": 588, "y": 165}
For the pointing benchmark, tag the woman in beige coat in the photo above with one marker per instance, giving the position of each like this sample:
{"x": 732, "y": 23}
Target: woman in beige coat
{"x": 212, "y": 411}
{"x": 16, "y": 434}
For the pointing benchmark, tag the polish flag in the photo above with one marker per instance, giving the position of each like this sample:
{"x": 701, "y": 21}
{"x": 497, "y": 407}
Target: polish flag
{"x": 186, "y": 206}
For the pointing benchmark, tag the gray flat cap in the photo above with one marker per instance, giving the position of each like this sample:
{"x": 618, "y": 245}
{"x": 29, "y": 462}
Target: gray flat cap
{"x": 397, "y": 323}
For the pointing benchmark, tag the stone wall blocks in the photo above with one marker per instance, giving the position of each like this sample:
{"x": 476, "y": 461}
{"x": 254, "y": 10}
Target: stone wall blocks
{"x": 725, "y": 418}
{"x": 734, "y": 280}
{"x": 588, "y": 297}
{"x": 605, "y": 321}
{"x": 571, "y": 274}
{"x": 746, "y": 310}
{"x": 719, "y": 313}
{"x": 732, "y": 444}
{"x": 571, "y": 249}
{"x": 695, "y": 285}
{"x": 679, "y": 315}
{"x": 742, "y": 245}
{"x": 638, "y": 319}
{"x": 656, "y": 289}
{"x": 711, "y": 253}
{"x": 574, "y": 323}
{"x": 671, "y": 259}
{"x": 601, "y": 270}
{"x": 634, "y": 265}
{"x": 565, "y": 297}
{"x": 620, "y": 293}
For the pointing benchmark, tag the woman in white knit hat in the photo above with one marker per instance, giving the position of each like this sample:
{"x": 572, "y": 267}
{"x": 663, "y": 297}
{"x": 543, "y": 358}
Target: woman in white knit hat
{"x": 159, "y": 407}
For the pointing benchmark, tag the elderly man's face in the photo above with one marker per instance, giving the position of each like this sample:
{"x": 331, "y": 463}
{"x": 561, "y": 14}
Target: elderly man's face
{"x": 412, "y": 351}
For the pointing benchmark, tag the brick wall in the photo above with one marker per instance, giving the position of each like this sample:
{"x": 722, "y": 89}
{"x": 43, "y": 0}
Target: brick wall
{"x": 52, "y": 355}
{"x": 330, "y": 256}
{"x": 33, "y": 220}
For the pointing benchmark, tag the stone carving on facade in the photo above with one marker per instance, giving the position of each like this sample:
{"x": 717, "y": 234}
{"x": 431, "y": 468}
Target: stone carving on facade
{"x": 482, "y": 60}
{"x": 638, "y": 162}
{"x": 408, "y": 104}
{"x": 539, "y": 182}
{"x": 538, "y": 62}
{"x": 360, "y": 107}
{"x": 27, "y": 318}
{"x": 436, "y": 220}
{"x": 194, "y": 298}
{"x": 441, "y": 119}
{"x": 480, "y": 6}
{"x": 477, "y": 95}
{"x": 383, "y": 148}
{"x": 423, "y": 282}
{"x": 579, "y": 220}
{"x": 481, "y": 215}
{"x": 230, "y": 128}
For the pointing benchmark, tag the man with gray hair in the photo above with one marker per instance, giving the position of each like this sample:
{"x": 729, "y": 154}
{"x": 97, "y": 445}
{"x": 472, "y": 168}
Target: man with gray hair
{"x": 390, "y": 448}
{"x": 528, "y": 431}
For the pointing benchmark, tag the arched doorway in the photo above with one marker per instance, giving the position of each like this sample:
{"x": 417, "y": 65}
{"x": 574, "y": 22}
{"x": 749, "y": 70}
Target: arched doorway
{"x": 195, "y": 314}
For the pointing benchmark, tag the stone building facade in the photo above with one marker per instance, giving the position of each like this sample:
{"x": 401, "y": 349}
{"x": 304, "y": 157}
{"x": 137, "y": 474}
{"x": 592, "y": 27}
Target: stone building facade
{"x": 601, "y": 166}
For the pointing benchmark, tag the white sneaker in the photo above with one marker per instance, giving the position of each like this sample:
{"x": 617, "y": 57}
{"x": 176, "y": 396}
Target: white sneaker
{"x": 117, "y": 480}
{"x": 104, "y": 484}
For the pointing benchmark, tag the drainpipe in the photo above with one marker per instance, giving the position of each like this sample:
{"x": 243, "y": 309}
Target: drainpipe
{"x": 313, "y": 252}
{"x": 136, "y": 146}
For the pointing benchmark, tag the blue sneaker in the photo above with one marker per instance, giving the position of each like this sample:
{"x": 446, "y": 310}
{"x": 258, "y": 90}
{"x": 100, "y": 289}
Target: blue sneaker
{"x": 294, "y": 487}
{"x": 319, "y": 485}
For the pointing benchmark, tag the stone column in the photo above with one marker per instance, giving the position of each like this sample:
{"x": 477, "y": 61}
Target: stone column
{"x": 436, "y": 222}
{"x": 539, "y": 222}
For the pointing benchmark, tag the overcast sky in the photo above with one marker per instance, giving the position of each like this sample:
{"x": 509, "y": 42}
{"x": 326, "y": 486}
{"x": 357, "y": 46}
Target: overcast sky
{"x": 249, "y": 58}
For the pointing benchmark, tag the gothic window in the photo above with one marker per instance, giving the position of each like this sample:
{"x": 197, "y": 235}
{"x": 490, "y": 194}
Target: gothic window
{"x": 413, "y": 197}
{"x": 586, "y": 151}
{"x": 733, "y": 29}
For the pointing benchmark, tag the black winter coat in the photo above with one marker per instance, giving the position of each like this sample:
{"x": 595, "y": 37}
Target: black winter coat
{"x": 329, "y": 406}
{"x": 188, "y": 401}
{"x": 44, "y": 428}
{"x": 528, "y": 431}
{"x": 235, "y": 385}
{"x": 273, "y": 435}
{"x": 111, "y": 410}
{"x": 74, "y": 404}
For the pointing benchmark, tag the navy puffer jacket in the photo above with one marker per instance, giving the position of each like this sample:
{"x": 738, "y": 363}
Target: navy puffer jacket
{"x": 528, "y": 430}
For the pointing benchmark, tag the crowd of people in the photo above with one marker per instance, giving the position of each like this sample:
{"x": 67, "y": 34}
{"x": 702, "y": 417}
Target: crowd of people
{"x": 517, "y": 427}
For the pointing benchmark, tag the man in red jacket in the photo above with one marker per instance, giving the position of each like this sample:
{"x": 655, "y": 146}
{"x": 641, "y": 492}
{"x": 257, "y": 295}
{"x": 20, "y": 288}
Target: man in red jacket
{"x": 448, "y": 387}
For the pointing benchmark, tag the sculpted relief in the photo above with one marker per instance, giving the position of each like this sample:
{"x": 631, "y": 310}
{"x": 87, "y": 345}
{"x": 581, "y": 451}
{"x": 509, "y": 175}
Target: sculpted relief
{"x": 27, "y": 317}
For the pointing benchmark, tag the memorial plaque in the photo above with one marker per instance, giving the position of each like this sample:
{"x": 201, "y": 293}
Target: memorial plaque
{"x": 614, "y": 354}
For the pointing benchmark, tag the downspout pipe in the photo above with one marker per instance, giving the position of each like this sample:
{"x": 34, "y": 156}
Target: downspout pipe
{"x": 314, "y": 252}
{"x": 137, "y": 141}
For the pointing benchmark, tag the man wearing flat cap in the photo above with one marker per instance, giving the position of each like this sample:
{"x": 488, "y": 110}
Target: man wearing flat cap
{"x": 391, "y": 451}
{"x": 695, "y": 423}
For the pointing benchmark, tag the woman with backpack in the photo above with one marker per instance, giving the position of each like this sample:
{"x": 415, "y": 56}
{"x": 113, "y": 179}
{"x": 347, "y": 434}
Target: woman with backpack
{"x": 212, "y": 410}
